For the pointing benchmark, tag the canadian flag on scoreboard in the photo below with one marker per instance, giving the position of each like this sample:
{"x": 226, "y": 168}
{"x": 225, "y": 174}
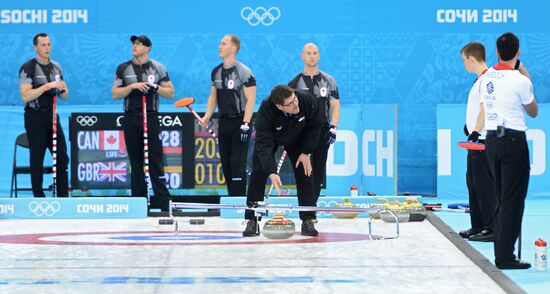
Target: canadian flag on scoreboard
{"x": 112, "y": 140}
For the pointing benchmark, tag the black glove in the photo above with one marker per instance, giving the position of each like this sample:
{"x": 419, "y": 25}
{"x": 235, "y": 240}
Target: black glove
{"x": 331, "y": 135}
{"x": 474, "y": 136}
{"x": 466, "y": 133}
{"x": 245, "y": 131}
{"x": 55, "y": 91}
{"x": 153, "y": 88}
{"x": 517, "y": 64}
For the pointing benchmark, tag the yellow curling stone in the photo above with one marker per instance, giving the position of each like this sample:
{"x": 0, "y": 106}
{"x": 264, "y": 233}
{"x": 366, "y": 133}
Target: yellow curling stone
{"x": 345, "y": 214}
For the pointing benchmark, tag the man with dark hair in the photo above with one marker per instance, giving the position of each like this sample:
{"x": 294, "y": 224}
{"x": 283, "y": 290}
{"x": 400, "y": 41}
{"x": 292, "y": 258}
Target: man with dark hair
{"x": 506, "y": 94}
{"x": 40, "y": 79}
{"x": 288, "y": 118}
{"x": 479, "y": 179}
{"x": 233, "y": 90}
{"x": 135, "y": 78}
{"x": 322, "y": 86}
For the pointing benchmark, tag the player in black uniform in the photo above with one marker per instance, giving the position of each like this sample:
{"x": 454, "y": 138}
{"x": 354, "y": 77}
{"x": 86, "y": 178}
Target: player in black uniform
{"x": 322, "y": 86}
{"x": 288, "y": 118}
{"x": 233, "y": 90}
{"x": 134, "y": 78}
{"x": 39, "y": 80}
{"x": 479, "y": 178}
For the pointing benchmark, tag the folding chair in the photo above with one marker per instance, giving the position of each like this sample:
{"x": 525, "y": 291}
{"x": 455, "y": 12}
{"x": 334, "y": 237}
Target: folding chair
{"x": 22, "y": 141}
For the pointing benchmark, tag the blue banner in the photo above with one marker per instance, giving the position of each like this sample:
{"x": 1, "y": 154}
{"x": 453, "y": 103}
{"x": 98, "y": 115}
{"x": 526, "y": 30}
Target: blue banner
{"x": 351, "y": 16}
{"x": 379, "y": 51}
{"x": 76, "y": 207}
{"x": 451, "y": 160}
{"x": 365, "y": 151}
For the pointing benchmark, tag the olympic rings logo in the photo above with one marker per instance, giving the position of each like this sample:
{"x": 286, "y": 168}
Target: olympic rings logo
{"x": 86, "y": 120}
{"x": 44, "y": 208}
{"x": 260, "y": 15}
{"x": 323, "y": 203}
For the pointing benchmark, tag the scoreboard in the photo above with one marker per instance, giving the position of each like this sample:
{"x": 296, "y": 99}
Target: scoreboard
{"x": 99, "y": 159}
{"x": 208, "y": 168}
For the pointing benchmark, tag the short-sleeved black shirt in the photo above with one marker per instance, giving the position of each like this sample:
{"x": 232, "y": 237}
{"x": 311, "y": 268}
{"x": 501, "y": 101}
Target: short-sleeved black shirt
{"x": 37, "y": 74}
{"x": 130, "y": 72}
{"x": 230, "y": 83}
{"x": 322, "y": 85}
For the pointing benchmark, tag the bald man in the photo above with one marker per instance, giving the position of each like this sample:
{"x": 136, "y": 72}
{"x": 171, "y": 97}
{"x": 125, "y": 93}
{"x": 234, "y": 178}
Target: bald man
{"x": 322, "y": 86}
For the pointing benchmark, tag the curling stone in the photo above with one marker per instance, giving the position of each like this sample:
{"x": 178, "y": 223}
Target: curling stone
{"x": 345, "y": 214}
{"x": 373, "y": 211}
{"x": 382, "y": 199}
{"x": 278, "y": 228}
{"x": 402, "y": 214}
{"x": 381, "y": 203}
{"x": 417, "y": 212}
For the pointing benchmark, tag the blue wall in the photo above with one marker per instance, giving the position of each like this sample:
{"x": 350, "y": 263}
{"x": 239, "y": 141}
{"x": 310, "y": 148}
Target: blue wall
{"x": 380, "y": 51}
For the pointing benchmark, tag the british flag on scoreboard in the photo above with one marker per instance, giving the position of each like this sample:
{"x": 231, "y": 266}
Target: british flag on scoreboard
{"x": 112, "y": 171}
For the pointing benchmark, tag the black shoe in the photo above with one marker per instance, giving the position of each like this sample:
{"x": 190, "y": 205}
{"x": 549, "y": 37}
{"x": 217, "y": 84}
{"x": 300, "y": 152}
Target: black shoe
{"x": 516, "y": 264}
{"x": 483, "y": 236}
{"x": 308, "y": 228}
{"x": 164, "y": 205}
{"x": 252, "y": 228}
{"x": 469, "y": 232}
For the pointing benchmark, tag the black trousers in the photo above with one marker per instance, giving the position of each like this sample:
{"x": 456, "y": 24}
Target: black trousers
{"x": 233, "y": 155}
{"x": 481, "y": 190}
{"x": 133, "y": 135}
{"x": 304, "y": 184}
{"x": 38, "y": 125}
{"x": 509, "y": 161}
{"x": 319, "y": 162}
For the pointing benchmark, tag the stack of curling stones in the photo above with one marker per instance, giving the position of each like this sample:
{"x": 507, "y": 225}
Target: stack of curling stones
{"x": 416, "y": 209}
{"x": 345, "y": 214}
{"x": 409, "y": 210}
{"x": 278, "y": 227}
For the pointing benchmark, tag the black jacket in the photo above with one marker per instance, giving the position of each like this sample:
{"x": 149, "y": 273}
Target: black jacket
{"x": 274, "y": 128}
